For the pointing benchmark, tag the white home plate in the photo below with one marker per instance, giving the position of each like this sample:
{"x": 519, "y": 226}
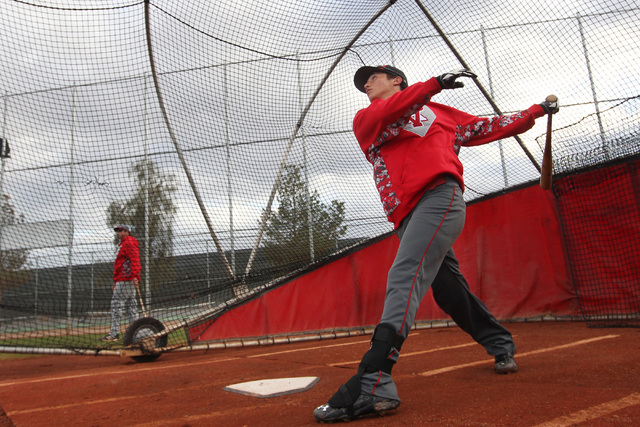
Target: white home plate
{"x": 273, "y": 387}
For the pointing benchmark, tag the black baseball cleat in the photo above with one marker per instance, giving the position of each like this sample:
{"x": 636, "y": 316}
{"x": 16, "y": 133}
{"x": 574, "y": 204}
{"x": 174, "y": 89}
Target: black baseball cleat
{"x": 506, "y": 364}
{"x": 366, "y": 404}
{"x": 110, "y": 337}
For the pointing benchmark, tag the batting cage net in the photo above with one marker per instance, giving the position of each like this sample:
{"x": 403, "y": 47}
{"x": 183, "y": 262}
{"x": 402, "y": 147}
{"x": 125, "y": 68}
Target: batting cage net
{"x": 220, "y": 133}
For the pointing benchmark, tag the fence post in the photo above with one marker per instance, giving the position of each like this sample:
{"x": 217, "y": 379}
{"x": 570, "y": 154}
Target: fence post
{"x": 208, "y": 275}
{"x": 35, "y": 293}
{"x": 92, "y": 283}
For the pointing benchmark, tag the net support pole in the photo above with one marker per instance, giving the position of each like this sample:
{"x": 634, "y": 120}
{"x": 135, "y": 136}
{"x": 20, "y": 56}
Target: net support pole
{"x": 267, "y": 211}
{"x": 71, "y": 182}
{"x": 3, "y": 147}
{"x": 480, "y": 87}
{"x": 306, "y": 168}
{"x": 174, "y": 140}
{"x": 486, "y": 61}
{"x": 593, "y": 86}
{"x": 227, "y": 135}
{"x": 147, "y": 282}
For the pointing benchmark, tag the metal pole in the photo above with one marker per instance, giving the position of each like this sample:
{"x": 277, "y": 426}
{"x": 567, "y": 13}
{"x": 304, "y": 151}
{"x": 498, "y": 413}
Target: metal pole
{"x": 486, "y": 59}
{"x": 4, "y": 126}
{"x": 91, "y": 282}
{"x": 35, "y": 293}
{"x": 227, "y": 122}
{"x": 208, "y": 277}
{"x": 593, "y": 86}
{"x": 72, "y": 166}
{"x": 147, "y": 282}
{"x": 305, "y": 166}
{"x": 393, "y": 54}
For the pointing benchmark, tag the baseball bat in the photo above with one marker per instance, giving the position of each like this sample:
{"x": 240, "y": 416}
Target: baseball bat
{"x": 144, "y": 311}
{"x": 547, "y": 158}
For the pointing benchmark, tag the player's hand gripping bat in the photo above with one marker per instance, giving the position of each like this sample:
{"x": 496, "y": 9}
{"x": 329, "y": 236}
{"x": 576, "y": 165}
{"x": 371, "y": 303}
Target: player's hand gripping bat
{"x": 550, "y": 106}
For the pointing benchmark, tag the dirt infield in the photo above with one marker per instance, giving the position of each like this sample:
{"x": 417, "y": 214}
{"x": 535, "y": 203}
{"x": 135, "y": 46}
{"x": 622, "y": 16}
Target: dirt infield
{"x": 570, "y": 375}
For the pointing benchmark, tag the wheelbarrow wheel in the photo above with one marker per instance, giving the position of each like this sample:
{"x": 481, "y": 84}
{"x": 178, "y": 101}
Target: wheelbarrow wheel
{"x": 140, "y": 329}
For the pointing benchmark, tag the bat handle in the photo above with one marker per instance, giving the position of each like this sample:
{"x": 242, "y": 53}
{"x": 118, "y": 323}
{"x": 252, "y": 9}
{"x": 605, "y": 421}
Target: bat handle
{"x": 144, "y": 311}
{"x": 546, "y": 172}
{"x": 547, "y": 159}
{"x": 549, "y": 119}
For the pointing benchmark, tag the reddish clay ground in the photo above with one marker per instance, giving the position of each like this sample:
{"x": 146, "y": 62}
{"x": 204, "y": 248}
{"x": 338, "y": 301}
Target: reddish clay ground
{"x": 569, "y": 375}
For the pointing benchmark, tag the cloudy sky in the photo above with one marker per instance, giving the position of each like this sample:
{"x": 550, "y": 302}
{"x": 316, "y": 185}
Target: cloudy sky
{"x": 79, "y": 104}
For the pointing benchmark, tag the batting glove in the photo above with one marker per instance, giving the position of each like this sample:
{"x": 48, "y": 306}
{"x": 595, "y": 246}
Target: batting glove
{"x": 448, "y": 80}
{"x": 550, "y": 107}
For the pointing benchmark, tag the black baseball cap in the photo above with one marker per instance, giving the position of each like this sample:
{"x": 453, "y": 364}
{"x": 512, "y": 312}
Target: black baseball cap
{"x": 363, "y": 74}
{"x": 122, "y": 227}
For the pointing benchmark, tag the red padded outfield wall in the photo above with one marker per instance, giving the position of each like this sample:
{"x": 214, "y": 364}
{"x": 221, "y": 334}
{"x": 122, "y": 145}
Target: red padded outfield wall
{"x": 511, "y": 252}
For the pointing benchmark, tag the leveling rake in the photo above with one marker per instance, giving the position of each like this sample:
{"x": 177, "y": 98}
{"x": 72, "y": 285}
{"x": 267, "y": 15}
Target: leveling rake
{"x": 147, "y": 338}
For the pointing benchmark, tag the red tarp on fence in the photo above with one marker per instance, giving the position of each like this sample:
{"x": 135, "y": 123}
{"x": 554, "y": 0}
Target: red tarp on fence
{"x": 600, "y": 210}
{"x": 511, "y": 253}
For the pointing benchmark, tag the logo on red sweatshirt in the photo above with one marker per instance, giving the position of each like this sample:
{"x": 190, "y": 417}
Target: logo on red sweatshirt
{"x": 420, "y": 122}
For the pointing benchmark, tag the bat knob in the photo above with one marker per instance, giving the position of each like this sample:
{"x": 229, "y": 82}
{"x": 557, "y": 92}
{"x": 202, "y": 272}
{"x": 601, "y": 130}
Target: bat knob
{"x": 551, "y": 98}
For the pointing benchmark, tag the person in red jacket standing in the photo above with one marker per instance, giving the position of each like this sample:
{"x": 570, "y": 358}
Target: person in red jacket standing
{"x": 413, "y": 145}
{"x": 126, "y": 278}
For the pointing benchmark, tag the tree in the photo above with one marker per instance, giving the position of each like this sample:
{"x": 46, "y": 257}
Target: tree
{"x": 287, "y": 237}
{"x": 160, "y": 219}
{"x": 11, "y": 261}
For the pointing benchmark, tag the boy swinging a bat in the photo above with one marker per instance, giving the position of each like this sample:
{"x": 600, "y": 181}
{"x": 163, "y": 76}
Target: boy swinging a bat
{"x": 413, "y": 145}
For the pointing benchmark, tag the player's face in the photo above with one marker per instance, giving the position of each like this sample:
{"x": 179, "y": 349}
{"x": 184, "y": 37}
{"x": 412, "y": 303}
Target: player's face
{"x": 381, "y": 86}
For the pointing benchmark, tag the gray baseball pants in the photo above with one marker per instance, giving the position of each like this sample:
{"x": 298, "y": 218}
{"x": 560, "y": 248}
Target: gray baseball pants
{"x": 124, "y": 297}
{"x": 425, "y": 259}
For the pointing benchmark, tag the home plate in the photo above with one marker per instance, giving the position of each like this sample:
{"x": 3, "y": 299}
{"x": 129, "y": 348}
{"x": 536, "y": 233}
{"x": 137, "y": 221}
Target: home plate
{"x": 273, "y": 387}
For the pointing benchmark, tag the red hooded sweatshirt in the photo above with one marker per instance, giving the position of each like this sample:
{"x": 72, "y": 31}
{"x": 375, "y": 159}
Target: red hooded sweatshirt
{"x": 127, "y": 264}
{"x": 413, "y": 143}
